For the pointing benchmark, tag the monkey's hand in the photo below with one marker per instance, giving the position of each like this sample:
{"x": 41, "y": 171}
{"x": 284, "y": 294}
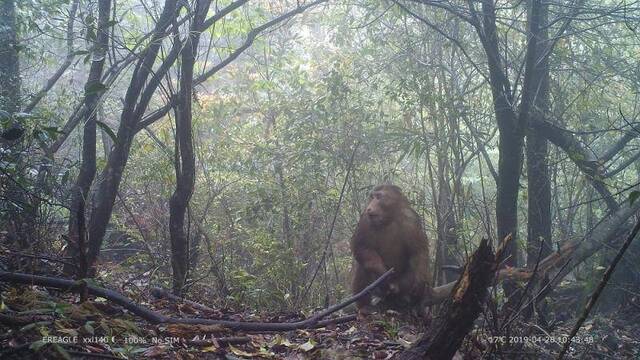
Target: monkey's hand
{"x": 393, "y": 288}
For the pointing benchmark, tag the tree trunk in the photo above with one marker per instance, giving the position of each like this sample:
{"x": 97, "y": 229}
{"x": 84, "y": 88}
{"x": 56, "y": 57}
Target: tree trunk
{"x": 18, "y": 213}
{"x": 538, "y": 181}
{"x": 135, "y": 103}
{"x": 510, "y": 163}
{"x": 9, "y": 61}
{"x": 510, "y": 139}
{"x": 446, "y": 222}
{"x": 184, "y": 156}
{"x": 77, "y": 241}
{"x": 539, "y": 198}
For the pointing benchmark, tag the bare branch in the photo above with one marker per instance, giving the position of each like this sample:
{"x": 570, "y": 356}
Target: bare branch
{"x": 598, "y": 291}
{"x": 253, "y": 34}
{"x": 63, "y": 67}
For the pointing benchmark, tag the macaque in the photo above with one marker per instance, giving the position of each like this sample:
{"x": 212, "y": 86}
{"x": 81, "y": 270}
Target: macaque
{"x": 390, "y": 235}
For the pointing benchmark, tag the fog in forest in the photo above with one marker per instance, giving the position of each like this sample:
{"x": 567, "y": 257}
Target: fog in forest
{"x": 319, "y": 179}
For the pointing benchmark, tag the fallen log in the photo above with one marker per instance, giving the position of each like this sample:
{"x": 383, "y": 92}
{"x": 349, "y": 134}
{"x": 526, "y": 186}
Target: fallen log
{"x": 566, "y": 258}
{"x": 76, "y": 286}
{"x": 316, "y": 320}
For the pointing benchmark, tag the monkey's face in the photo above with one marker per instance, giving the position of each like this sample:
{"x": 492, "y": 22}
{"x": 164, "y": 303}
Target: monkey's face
{"x": 382, "y": 204}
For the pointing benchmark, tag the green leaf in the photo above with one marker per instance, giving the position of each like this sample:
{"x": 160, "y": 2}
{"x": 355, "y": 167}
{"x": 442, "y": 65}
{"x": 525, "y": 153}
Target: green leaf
{"x": 107, "y": 129}
{"x": 65, "y": 177}
{"x": 4, "y": 115}
{"x": 52, "y": 131}
{"x": 89, "y": 19}
{"x": 89, "y": 328}
{"x": 61, "y": 351}
{"x": 37, "y": 345}
{"x": 633, "y": 197}
{"x": 91, "y": 34}
{"x": 308, "y": 346}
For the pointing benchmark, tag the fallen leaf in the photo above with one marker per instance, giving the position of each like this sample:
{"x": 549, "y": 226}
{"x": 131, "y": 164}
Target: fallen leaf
{"x": 155, "y": 351}
{"x": 241, "y": 352}
{"x": 308, "y": 346}
{"x": 210, "y": 348}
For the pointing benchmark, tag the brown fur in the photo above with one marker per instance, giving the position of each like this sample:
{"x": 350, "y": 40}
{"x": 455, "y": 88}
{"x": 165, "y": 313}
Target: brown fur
{"x": 390, "y": 235}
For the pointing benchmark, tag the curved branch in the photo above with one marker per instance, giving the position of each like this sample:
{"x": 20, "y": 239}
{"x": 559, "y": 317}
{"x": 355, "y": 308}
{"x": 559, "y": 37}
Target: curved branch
{"x": 625, "y": 164}
{"x": 620, "y": 144}
{"x": 586, "y": 160}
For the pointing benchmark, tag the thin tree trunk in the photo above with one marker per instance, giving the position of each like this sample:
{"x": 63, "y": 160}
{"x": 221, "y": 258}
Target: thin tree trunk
{"x": 539, "y": 198}
{"x": 184, "y": 157}
{"x": 510, "y": 139}
{"x": 446, "y": 223}
{"x": 77, "y": 234}
{"x": 18, "y": 211}
{"x": 133, "y": 110}
{"x": 538, "y": 181}
{"x": 9, "y": 61}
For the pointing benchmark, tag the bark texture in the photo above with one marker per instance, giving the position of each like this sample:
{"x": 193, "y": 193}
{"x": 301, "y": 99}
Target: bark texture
{"x": 461, "y": 309}
{"x": 9, "y": 61}
{"x": 77, "y": 241}
{"x": 184, "y": 156}
{"x": 538, "y": 182}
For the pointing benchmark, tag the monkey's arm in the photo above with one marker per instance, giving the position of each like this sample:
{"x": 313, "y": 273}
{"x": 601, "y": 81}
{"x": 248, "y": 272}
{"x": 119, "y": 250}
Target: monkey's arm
{"x": 416, "y": 279}
{"x": 369, "y": 260}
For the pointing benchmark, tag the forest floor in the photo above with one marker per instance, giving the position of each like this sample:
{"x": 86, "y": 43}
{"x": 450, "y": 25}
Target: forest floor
{"x": 36, "y": 321}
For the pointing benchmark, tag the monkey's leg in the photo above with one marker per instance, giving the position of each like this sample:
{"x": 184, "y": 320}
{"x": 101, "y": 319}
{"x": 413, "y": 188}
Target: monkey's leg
{"x": 413, "y": 294}
{"x": 361, "y": 280}
{"x": 409, "y": 284}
